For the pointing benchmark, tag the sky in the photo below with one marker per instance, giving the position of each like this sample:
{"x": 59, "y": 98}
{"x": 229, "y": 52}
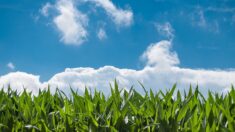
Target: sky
{"x": 82, "y": 43}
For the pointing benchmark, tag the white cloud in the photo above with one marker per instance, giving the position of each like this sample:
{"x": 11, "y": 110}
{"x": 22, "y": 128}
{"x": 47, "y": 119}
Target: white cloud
{"x": 20, "y": 80}
{"x": 161, "y": 72}
{"x": 71, "y": 23}
{"x": 11, "y": 66}
{"x": 159, "y": 55}
{"x": 165, "y": 29}
{"x": 119, "y": 16}
{"x": 101, "y": 34}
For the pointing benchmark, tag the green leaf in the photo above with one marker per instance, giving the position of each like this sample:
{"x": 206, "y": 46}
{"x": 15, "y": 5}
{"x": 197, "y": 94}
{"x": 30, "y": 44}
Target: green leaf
{"x": 182, "y": 112}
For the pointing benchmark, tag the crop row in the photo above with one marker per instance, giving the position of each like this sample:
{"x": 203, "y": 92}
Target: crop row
{"x": 121, "y": 111}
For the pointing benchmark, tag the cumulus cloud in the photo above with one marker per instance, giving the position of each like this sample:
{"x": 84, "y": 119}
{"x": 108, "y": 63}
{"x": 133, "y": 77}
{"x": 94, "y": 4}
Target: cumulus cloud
{"x": 20, "y": 80}
{"x": 161, "y": 71}
{"x": 119, "y": 16}
{"x": 159, "y": 55}
{"x": 101, "y": 34}
{"x": 11, "y": 66}
{"x": 72, "y": 23}
{"x": 69, "y": 21}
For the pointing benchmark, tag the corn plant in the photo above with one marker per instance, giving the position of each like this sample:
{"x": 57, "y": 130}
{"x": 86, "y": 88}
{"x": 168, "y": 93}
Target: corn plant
{"x": 121, "y": 111}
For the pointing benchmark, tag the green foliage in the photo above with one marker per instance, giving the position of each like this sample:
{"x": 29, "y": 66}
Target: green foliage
{"x": 121, "y": 111}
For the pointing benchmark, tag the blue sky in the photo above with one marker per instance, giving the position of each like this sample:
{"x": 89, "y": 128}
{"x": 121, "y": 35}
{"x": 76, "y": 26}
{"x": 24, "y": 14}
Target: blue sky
{"x": 113, "y": 32}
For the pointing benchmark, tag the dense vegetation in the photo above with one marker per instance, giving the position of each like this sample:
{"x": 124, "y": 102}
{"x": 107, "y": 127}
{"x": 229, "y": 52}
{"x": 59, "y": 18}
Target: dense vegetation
{"x": 121, "y": 111}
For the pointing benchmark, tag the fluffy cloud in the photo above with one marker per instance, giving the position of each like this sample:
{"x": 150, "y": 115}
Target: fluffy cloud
{"x": 72, "y": 23}
{"x": 160, "y": 55}
{"x": 161, "y": 72}
{"x": 119, "y": 16}
{"x": 20, "y": 80}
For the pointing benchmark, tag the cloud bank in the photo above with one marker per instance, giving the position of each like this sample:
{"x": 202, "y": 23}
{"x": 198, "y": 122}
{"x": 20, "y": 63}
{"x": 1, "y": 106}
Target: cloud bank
{"x": 160, "y": 72}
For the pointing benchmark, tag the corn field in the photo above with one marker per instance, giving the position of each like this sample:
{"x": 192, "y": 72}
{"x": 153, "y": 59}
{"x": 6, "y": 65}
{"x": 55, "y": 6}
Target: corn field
{"x": 121, "y": 111}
